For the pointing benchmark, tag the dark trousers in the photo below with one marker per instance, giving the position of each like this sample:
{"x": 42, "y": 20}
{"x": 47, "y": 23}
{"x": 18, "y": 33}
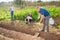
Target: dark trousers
{"x": 46, "y": 23}
{"x": 12, "y": 15}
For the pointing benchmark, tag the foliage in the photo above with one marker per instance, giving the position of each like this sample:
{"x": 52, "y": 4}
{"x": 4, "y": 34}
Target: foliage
{"x": 21, "y": 3}
{"x": 20, "y": 14}
{"x": 24, "y": 12}
{"x": 4, "y": 14}
{"x": 54, "y": 11}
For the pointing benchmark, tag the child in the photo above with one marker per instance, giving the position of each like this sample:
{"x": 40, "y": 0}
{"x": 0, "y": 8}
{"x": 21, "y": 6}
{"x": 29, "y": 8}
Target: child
{"x": 28, "y": 19}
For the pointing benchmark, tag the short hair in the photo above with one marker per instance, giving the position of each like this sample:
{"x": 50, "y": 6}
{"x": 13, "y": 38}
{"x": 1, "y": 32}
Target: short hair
{"x": 37, "y": 7}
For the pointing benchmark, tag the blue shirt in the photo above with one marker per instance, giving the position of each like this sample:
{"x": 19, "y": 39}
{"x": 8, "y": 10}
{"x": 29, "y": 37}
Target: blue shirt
{"x": 44, "y": 12}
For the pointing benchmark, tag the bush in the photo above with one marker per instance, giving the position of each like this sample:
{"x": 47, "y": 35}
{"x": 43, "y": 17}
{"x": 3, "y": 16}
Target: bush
{"x": 24, "y": 12}
{"x": 54, "y": 11}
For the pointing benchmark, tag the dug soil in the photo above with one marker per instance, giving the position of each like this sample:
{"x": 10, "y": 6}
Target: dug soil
{"x": 57, "y": 20}
{"x": 20, "y": 28}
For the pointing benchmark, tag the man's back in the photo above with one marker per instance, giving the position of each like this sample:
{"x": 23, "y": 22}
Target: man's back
{"x": 44, "y": 12}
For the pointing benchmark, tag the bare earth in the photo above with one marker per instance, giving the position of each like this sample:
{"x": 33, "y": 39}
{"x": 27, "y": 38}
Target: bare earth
{"x": 21, "y": 31}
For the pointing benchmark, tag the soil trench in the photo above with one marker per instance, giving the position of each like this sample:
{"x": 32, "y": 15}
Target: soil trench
{"x": 18, "y": 35}
{"x": 6, "y": 38}
{"x": 20, "y": 28}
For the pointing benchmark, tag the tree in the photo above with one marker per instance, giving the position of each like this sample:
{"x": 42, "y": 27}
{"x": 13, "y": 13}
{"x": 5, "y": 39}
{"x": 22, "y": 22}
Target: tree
{"x": 21, "y": 3}
{"x": 39, "y": 1}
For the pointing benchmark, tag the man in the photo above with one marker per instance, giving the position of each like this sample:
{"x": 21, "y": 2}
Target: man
{"x": 12, "y": 13}
{"x": 44, "y": 18}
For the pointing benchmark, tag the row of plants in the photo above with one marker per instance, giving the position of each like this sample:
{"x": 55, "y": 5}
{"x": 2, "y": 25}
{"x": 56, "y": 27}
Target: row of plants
{"x": 20, "y": 14}
{"x": 54, "y": 11}
{"x": 4, "y": 14}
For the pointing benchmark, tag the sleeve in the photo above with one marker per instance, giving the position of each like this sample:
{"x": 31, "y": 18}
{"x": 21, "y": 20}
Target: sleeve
{"x": 42, "y": 12}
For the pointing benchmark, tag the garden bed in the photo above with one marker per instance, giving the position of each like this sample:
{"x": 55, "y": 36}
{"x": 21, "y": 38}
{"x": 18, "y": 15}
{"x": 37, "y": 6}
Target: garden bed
{"x": 29, "y": 29}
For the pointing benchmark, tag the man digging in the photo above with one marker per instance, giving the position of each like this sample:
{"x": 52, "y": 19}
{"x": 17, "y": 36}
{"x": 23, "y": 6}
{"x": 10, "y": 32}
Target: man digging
{"x": 44, "y": 19}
